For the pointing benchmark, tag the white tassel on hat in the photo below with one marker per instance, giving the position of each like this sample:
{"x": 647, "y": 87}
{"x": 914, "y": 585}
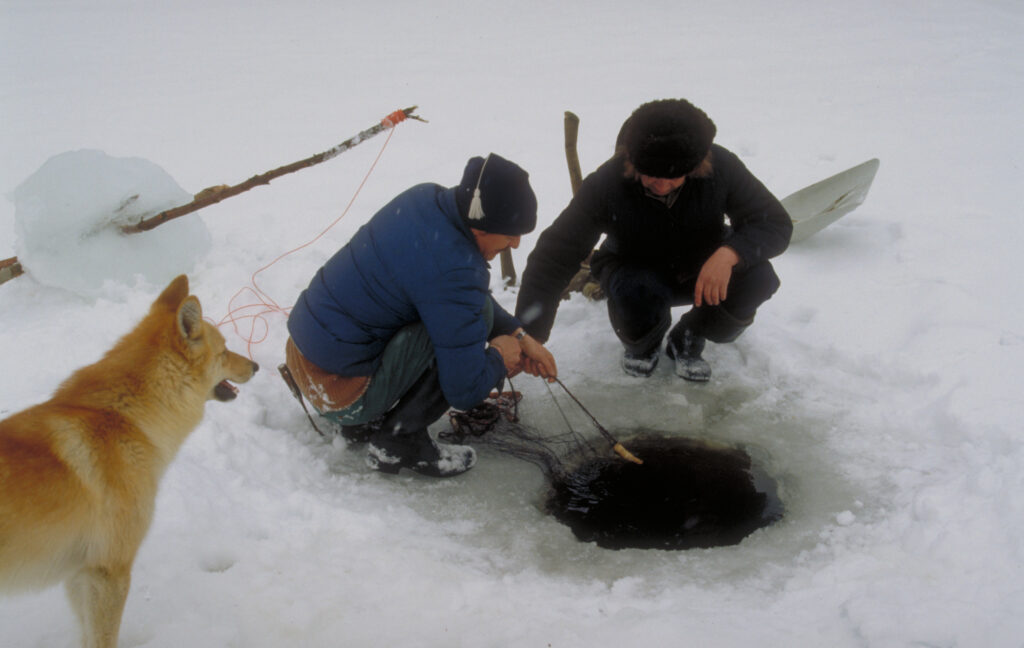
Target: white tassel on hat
{"x": 476, "y": 206}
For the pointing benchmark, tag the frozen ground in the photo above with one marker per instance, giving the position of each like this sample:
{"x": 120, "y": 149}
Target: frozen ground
{"x": 880, "y": 386}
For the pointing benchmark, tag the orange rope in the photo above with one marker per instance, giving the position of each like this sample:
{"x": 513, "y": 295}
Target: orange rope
{"x": 263, "y": 304}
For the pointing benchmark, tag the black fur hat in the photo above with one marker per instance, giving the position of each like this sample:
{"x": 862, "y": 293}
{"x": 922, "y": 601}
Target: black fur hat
{"x": 667, "y": 138}
{"x": 495, "y": 196}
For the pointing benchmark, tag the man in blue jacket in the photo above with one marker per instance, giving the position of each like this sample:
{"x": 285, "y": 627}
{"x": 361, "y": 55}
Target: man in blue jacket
{"x": 400, "y": 324}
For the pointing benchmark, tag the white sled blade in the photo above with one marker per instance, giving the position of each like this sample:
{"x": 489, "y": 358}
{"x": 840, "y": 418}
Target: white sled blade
{"x": 815, "y": 207}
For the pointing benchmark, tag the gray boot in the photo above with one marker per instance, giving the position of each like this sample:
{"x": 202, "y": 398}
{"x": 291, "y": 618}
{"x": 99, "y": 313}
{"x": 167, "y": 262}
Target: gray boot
{"x": 685, "y": 348}
{"x": 640, "y": 357}
{"x": 641, "y": 364}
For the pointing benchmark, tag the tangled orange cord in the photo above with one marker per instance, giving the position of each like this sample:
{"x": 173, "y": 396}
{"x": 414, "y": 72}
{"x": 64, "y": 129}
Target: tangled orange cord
{"x": 263, "y": 304}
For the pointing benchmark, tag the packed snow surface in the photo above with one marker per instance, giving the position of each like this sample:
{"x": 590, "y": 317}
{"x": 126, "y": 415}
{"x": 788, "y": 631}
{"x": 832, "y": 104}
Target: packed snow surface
{"x": 880, "y": 387}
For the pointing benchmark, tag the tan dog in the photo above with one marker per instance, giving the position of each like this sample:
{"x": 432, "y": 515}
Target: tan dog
{"x": 79, "y": 473}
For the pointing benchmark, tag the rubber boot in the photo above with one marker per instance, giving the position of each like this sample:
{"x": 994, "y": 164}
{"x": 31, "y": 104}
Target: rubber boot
{"x": 403, "y": 441}
{"x": 363, "y": 432}
{"x": 685, "y": 348}
{"x": 640, "y": 365}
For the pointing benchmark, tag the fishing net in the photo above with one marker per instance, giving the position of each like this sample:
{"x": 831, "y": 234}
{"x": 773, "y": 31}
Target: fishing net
{"x": 495, "y": 424}
{"x": 687, "y": 493}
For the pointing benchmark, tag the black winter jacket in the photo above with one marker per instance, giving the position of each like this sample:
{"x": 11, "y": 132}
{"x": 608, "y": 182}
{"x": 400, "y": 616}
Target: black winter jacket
{"x": 643, "y": 231}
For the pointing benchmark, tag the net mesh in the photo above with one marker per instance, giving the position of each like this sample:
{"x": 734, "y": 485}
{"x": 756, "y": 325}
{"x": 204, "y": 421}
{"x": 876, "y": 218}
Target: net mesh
{"x": 687, "y": 493}
{"x": 495, "y": 424}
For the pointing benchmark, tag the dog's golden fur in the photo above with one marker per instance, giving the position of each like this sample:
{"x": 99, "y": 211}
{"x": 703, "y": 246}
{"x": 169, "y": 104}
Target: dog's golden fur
{"x": 79, "y": 472}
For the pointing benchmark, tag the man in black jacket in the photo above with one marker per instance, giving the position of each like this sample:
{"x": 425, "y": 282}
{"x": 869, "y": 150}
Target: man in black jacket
{"x": 661, "y": 201}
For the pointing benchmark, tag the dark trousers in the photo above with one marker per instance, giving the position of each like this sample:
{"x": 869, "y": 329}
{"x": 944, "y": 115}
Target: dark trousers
{"x": 639, "y": 300}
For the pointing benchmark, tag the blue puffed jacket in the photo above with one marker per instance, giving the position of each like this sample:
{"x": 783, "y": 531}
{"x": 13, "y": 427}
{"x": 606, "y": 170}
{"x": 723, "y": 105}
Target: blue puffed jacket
{"x": 415, "y": 260}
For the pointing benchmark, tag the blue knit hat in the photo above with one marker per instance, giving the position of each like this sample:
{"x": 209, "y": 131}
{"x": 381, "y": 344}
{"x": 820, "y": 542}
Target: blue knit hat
{"x": 495, "y": 196}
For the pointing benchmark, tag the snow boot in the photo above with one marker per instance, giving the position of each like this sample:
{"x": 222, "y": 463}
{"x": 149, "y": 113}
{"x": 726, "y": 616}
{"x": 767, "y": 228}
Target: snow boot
{"x": 640, "y": 356}
{"x": 686, "y": 352}
{"x": 402, "y": 441}
{"x": 640, "y": 365}
{"x": 685, "y": 347}
{"x": 419, "y": 453}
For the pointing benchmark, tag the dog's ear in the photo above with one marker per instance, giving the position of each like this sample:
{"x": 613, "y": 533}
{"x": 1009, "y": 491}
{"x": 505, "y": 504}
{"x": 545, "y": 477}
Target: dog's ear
{"x": 190, "y": 318}
{"x": 174, "y": 293}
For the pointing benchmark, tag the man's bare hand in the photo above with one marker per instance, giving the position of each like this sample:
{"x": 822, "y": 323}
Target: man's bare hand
{"x": 713, "y": 280}
{"x": 511, "y": 353}
{"x": 537, "y": 360}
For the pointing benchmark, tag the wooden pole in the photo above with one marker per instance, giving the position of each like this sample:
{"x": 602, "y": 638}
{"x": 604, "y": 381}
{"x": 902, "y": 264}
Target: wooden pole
{"x": 582, "y": 281}
{"x": 572, "y": 158}
{"x": 572, "y": 125}
{"x": 213, "y": 195}
{"x": 616, "y": 446}
{"x": 11, "y": 268}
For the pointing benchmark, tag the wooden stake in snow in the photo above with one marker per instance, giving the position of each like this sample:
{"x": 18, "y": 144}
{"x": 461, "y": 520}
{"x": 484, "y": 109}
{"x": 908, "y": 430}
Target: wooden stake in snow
{"x": 572, "y": 158}
{"x": 572, "y": 125}
{"x": 582, "y": 281}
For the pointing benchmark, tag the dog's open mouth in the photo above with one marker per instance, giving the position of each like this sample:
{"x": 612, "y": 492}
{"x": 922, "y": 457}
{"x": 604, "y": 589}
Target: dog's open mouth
{"x": 225, "y": 391}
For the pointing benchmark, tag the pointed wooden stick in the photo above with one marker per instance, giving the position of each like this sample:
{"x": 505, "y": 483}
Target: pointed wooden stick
{"x": 213, "y": 195}
{"x": 616, "y": 446}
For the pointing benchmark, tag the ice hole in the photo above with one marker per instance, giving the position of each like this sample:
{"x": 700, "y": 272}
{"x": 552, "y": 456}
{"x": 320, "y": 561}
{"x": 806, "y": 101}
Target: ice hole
{"x": 687, "y": 494}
